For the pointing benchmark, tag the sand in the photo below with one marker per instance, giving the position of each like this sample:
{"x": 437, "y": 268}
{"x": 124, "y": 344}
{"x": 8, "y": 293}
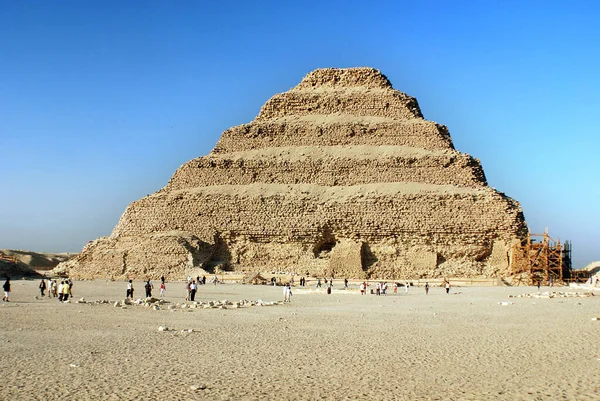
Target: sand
{"x": 341, "y": 346}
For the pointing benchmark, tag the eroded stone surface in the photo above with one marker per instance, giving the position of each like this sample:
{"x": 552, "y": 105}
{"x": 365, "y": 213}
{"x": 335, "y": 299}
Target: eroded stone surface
{"x": 340, "y": 175}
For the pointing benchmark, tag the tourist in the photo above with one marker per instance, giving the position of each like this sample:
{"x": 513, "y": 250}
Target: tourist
{"x": 362, "y": 288}
{"x": 292, "y": 281}
{"x": 42, "y": 287}
{"x": 406, "y": 287}
{"x": 346, "y": 283}
{"x": 378, "y": 289}
{"x": 215, "y": 279}
{"x": 129, "y": 289}
{"x": 203, "y": 280}
{"x": 54, "y": 288}
{"x": 426, "y": 288}
{"x": 188, "y": 288}
{"x": 163, "y": 288}
{"x": 384, "y": 288}
{"x": 6, "y": 288}
{"x": 162, "y": 278}
{"x": 149, "y": 288}
{"x": 60, "y": 290}
{"x": 287, "y": 293}
{"x": 70, "y": 282}
{"x": 193, "y": 289}
{"x": 319, "y": 283}
{"x": 395, "y": 288}
{"x": 447, "y": 287}
{"x": 66, "y": 291}
{"x": 49, "y": 287}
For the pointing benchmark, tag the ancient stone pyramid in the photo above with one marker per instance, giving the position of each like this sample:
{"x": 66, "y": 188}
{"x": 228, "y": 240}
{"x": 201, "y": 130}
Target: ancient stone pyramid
{"x": 341, "y": 176}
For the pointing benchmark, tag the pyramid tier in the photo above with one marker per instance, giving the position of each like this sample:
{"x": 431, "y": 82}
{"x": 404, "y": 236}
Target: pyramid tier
{"x": 329, "y": 166}
{"x": 334, "y": 130}
{"x": 363, "y": 77}
{"x": 354, "y": 101}
{"x": 275, "y": 212}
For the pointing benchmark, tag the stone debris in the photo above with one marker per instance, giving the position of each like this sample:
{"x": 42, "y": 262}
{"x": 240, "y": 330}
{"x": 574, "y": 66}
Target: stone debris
{"x": 197, "y": 387}
{"x": 339, "y": 176}
{"x": 556, "y": 294}
{"x": 155, "y": 304}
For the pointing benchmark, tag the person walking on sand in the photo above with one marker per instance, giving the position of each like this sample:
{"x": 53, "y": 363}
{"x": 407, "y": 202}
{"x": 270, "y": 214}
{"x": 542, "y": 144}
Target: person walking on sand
{"x": 287, "y": 293}
{"x": 193, "y": 289}
{"x": 447, "y": 287}
{"x": 162, "y": 289}
{"x": 426, "y": 288}
{"x": 406, "y": 287}
{"x": 6, "y": 288}
{"x": 346, "y": 283}
{"x": 60, "y": 290}
{"x": 129, "y": 289}
{"x": 66, "y": 291}
{"x": 42, "y": 287}
{"x": 188, "y": 288}
{"x": 149, "y": 288}
{"x": 318, "y": 283}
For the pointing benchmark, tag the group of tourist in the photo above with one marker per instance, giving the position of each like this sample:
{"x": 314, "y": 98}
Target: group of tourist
{"x": 148, "y": 286}
{"x": 64, "y": 289}
{"x": 61, "y": 290}
{"x": 191, "y": 286}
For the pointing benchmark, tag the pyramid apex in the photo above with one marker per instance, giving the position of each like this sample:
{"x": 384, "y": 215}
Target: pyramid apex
{"x": 365, "y": 77}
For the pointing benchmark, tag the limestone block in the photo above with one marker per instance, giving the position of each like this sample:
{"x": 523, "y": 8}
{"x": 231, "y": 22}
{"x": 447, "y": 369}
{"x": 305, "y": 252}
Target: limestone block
{"x": 346, "y": 260}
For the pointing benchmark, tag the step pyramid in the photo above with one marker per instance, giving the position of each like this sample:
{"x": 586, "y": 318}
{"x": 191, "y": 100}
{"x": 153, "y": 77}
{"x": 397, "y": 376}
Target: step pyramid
{"x": 339, "y": 176}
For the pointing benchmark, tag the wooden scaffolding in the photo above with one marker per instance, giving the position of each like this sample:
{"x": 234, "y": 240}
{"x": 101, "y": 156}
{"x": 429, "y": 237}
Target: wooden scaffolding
{"x": 541, "y": 259}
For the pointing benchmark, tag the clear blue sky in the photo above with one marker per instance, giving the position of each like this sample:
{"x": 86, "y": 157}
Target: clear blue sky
{"x": 101, "y": 101}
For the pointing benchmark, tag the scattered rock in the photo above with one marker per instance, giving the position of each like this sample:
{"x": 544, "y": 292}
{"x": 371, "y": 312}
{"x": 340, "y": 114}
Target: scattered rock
{"x": 556, "y": 294}
{"x": 197, "y": 387}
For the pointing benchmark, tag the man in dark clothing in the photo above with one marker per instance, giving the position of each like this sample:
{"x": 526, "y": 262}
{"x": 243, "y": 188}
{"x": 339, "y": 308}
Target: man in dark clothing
{"x": 6, "y": 288}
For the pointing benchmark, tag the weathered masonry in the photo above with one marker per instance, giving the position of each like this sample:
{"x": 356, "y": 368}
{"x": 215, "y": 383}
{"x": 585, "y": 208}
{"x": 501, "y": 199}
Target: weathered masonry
{"x": 341, "y": 176}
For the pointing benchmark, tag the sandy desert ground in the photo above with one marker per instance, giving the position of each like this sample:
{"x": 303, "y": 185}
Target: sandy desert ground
{"x": 462, "y": 346}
